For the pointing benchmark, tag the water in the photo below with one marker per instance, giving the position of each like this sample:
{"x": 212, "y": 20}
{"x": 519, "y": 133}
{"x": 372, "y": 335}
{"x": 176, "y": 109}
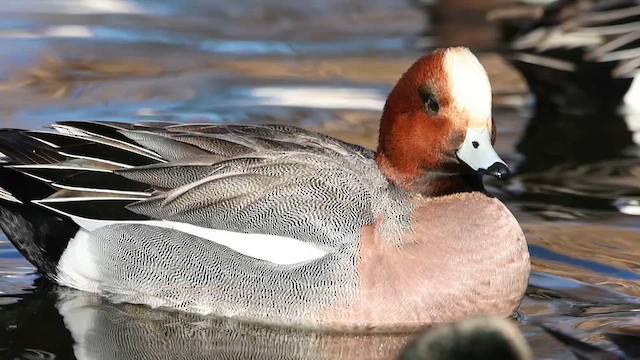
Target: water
{"x": 326, "y": 67}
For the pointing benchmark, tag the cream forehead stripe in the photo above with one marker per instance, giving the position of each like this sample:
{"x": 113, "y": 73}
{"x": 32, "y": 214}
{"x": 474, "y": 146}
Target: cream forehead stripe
{"x": 469, "y": 85}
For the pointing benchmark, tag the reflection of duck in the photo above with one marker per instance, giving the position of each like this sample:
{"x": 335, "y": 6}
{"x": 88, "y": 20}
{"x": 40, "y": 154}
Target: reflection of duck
{"x": 275, "y": 223}
{"x": 87, "y": 326}
{"x": 579, "y": 55}
{"x": 563, "y": 165}
{"x": 104, "y": 331}
{"x": 67, "y": 323}
{"x": 553, "y": 139}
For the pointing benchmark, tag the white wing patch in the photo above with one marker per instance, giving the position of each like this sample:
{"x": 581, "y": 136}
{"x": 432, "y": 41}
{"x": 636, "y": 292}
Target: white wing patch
{"x": 469, "y": 85}
{"x": 276, "y": 249}
{"x": 273, "y": 248}
{"x": 77, "y": 268}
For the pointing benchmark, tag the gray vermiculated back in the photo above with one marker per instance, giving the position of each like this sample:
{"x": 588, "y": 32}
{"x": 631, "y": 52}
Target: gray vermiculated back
{"x": 164, "y": 145}
{"x": 268, "y": 179}
{"x": 322, "y": 198}
{"x": 167, "y": 177}
{"x": 322, "y": 203}
{"x": 322, "y": 192}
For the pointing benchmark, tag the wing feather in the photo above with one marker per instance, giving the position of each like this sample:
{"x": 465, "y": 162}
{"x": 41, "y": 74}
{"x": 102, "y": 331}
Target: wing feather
{"x": 264, "y": 179}
{"x": 103, "y": 150}
{"x": 171, "y": 175}
{"x": 163, "y": 144}
{"x": 314, "y": 205}
{"x": 86, "y": 179}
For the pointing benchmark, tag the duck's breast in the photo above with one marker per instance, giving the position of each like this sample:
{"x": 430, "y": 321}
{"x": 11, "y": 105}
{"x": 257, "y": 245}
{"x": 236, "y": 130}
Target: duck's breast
{"x": 467, "y": 255}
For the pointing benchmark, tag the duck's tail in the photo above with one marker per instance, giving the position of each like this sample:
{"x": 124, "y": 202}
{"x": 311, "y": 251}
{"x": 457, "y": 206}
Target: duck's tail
{"x": 40, "y": 235}
{"x": 50, "y": 181}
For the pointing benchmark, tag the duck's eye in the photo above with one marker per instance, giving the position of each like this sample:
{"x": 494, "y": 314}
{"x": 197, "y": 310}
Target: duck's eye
{"x": 431, "y": 105}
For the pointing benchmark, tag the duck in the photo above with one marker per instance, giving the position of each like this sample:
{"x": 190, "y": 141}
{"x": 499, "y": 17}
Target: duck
{"x": 476, "y": 337}
{"x": 493, "y": 337}
{"x": 277, "y": 224}
{"x": 577, "y": 56}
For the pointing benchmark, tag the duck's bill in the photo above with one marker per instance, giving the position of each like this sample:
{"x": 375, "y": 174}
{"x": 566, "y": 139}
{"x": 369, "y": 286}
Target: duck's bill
{"x": 478, "y": 153}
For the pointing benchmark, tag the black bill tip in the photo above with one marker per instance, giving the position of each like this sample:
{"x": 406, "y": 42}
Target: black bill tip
{"x": 499, "y": 170}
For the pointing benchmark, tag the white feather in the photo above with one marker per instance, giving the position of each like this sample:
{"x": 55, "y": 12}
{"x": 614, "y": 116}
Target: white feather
{"x": 70, "y": 130}
{"x": 57, "y": 166}
{"x": 79, "y": 311}
{"x": 4, "y": 194}
{"x": 77, "y": 267}
{"x": 273, "y": 248}
{"x": 44, "y": 142}
{"x": 98, "y": 190}
{"x": 469, "y": 85}
{"x": 96, "y": 159}
{"x": 628, "y": 206}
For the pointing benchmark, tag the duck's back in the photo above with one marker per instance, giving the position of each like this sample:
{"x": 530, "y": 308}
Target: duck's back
{"x": 248, "y": 221}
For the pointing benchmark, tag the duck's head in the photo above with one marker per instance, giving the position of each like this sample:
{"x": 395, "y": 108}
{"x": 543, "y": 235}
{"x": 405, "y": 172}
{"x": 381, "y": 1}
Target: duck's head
{"x": 482, "y": 337}
{"x": 436, "y": 131}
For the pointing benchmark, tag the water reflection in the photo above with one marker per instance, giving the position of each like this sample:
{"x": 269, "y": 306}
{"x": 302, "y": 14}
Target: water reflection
{"x": 327, "y": 98}
{"x": 33, "y": 325}
{"x": 72, "y": 6}
{"x": 85, "y": 326}
{"x": 100, "y": 330}
{"x": 554, "y": 138}
{"x": 577, "y": 166}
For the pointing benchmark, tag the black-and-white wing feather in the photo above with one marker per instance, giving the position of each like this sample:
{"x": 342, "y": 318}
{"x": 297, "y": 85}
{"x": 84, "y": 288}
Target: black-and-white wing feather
{"x": 263, "y": 179}
{"x": 580, "y": 54}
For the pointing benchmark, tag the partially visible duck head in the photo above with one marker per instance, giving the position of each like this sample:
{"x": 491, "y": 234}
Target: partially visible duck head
{"x": 436, "y": 131}
{"x": 482, "y": 337}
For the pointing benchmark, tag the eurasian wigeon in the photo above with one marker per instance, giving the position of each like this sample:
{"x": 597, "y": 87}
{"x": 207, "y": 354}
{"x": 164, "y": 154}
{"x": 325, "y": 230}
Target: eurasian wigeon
{"x": 474, "y": 338}
{"x": 491, "y": 337}
{"x": 578, "y": 55}
{"x": 277, "y": 224}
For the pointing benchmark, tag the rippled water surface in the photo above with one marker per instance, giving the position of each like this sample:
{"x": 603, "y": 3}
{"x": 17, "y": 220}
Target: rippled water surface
{"x": 326, "y": 66}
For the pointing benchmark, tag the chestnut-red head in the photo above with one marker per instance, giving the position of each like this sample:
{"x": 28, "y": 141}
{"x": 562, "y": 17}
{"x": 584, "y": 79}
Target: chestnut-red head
{"x": 436, "y": 131}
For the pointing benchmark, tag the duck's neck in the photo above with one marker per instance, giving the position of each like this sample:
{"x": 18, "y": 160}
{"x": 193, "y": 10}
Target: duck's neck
{"x": 429, "y": 182}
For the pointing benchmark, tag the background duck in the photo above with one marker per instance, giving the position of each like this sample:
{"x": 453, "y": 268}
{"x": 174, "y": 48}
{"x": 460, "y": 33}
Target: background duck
{"x": 490, "y": 337}
{"x": 576, "y": 55}
{"x": 483, "y": 337}
{"x": 277, "y": 224}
